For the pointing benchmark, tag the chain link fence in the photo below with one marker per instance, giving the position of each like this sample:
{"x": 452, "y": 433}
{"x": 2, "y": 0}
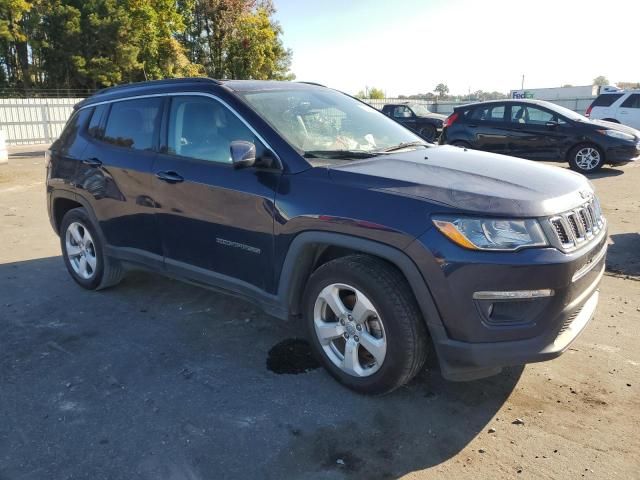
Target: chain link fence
{"x": 41, "y": 119}
{"x": 578, "y": 105}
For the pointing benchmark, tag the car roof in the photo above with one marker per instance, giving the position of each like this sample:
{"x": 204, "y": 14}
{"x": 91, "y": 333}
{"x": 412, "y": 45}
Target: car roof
{"x": 195, "y": 83}
{"x": 542, "y": 103}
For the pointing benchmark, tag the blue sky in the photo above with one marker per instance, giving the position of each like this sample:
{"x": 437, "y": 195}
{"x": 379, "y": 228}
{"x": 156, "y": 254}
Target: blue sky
{"x": 409, "y": 46}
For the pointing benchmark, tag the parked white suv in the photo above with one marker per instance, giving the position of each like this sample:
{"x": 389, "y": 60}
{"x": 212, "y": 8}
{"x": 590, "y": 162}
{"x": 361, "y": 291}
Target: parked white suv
{"x": 620, "y": 107}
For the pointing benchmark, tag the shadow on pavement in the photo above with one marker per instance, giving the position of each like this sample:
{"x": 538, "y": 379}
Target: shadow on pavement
{"x": 623, "y": 255}
{"x": 604, "y": 172}
{"x": 168, "y": 380}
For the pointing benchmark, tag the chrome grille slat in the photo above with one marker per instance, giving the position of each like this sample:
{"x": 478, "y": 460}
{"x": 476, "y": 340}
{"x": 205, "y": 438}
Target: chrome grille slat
{"x": 577, "y": 226}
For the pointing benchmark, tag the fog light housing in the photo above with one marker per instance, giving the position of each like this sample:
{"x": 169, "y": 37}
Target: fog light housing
{"x": 511, "y": 308}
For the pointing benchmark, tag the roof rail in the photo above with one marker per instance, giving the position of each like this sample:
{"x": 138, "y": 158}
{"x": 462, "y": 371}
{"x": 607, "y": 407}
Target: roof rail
{"x": 166, "y": 81}
{"x": 314, "y": 83}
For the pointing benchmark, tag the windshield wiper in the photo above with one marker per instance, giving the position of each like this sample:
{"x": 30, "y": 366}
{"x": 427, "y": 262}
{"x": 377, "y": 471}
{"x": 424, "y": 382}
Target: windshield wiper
{"x": 339, "y": 154}
{"x": 400, "y": 146}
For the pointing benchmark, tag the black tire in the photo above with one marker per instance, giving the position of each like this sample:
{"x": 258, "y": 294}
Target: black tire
{"x": 461, "y": 144}
{"x": 107, "y": 272}
{"x": 429, "y": 133}
{"x": 575, "y": 163}
{"x": 407, "y": 341}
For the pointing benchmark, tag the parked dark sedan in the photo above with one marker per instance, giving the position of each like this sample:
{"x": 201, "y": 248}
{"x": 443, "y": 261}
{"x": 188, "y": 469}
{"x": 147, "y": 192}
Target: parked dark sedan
{"x": 416, "y": 117}
{"x": 539, "y": 130}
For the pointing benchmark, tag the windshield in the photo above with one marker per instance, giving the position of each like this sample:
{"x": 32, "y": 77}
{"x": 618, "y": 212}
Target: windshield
{"x": 323, "y": 123}
{"x": 570, "y": 114}
{"x": 420, "y": 110}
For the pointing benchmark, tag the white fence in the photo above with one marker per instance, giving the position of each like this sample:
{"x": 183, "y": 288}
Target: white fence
{"x": 579, "y": 105}
{"x": 34, "y": 120}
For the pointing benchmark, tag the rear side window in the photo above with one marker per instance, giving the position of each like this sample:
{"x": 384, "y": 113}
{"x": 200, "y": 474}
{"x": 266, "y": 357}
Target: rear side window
{"x": 133, "y": 123}
{"x": 95, "y": 128}
{"x": 77, "y": 121}
{"x": 632, "y": 102}
{"x": 491, "y": 113}
{"x": 606, "y": 100}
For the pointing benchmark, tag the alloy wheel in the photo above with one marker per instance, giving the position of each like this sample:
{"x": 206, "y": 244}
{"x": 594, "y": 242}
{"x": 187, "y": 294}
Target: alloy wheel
{"x": 81, "y": 250}
{"x": 587, "y": 158}
{"x": 350, "y": 330}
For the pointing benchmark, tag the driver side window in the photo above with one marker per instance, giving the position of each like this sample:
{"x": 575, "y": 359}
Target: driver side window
{"x": 402, "y": 112}
{"x": 202, "y": 128}
{"x": 528, "y": 115}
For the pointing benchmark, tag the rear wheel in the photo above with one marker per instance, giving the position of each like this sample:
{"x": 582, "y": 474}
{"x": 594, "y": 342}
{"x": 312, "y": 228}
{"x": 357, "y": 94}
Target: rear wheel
{"x": 586, "y": 158}
{"x": 364, "y": 324}
{"x": 429, "y": 133}
{"x": 83, "y": 252}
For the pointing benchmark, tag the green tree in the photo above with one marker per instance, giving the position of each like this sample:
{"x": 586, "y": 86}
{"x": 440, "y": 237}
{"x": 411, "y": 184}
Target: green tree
{"x": 376, "y": 93}
{"x": 99, "y": 43}
{"x": 601, "y": 81}
{"x": 441, "y": 89}
{"x": 255, "y": 49}
{"x": 15, "y": 23}
{"x": 235, "y": 39}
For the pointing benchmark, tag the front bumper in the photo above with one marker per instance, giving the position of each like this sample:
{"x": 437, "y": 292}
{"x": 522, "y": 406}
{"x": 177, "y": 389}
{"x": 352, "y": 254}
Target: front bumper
{"x": 623, "y": 153}
{"x": 468, "y": 344}
{"x": 467, "y": 361}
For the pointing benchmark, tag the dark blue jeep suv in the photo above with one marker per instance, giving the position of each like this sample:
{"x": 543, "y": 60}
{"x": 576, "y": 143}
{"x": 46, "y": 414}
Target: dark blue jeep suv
{"x": 320, "y": 208}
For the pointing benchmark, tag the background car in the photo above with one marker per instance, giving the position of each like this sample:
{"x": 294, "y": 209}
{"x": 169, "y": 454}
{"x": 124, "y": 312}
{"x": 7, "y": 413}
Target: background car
{"x": 538, "y": 130}
{"x": 618, "y": 107}
{"x": 417, "y": 117}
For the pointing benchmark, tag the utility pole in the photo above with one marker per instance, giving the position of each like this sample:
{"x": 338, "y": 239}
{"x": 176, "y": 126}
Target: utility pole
{"x": 522, "y": 84}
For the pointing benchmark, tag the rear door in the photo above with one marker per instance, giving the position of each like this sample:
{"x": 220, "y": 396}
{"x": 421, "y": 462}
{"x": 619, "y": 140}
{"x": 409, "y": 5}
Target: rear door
{"x": 486, "y": 125}
{"x": 603, "y": 106}
{"x": 630, "y": 111}
{"x": 115, "y": 172}
{"x": 216, "y": 221}
{"x": 537, "y": 133}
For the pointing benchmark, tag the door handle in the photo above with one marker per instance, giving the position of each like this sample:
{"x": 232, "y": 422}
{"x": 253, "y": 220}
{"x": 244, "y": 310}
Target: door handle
{"x": 170, "y": 177}
{"x": 92, "y": 162}
{"x": 472, "y": 126}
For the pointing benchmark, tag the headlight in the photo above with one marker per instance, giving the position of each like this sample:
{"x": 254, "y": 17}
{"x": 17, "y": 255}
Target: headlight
{"x": 617, "y": 134}
{"x": 491, "y": 233}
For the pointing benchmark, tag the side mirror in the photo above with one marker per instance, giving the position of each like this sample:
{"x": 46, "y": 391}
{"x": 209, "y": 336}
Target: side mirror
{"x": 243, "y": 154}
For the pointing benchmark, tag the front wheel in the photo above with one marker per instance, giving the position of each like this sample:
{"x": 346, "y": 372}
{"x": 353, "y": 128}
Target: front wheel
{"x": 586, "y": 159}
{"x": 429, "y": 133}
{"x": 364, "y": 324}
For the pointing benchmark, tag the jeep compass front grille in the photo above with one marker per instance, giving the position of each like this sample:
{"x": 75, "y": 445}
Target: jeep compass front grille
{"x": 577, "y": 227}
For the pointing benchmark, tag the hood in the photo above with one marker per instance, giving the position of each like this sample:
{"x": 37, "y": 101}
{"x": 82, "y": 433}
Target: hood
{"x": 617, "y": 126}
{"x": 437, "y": 116}
{"x": 470, "y": 180}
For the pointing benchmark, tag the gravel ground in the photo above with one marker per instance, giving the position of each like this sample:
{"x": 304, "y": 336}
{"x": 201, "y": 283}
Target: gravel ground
{"x": 156, "y": 379}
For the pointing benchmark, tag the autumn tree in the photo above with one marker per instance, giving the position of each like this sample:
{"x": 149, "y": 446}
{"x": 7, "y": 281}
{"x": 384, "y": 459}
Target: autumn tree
{"x": 98, "y": 43}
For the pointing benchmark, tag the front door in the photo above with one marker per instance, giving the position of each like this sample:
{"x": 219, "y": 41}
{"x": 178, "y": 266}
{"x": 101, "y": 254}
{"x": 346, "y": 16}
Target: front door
{"x": 537, "y": 133}
{"x": 216, "y": 221}
{"x": 405, "y": 116}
